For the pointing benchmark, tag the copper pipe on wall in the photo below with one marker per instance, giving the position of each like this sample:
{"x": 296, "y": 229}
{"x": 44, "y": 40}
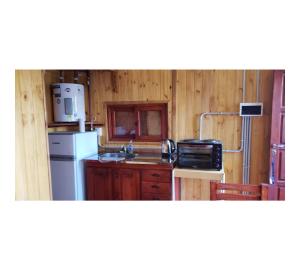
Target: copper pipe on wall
{"x": 75, "y": 76}
{"x": 61, "y": 76}
{"x": 88, "y": 73}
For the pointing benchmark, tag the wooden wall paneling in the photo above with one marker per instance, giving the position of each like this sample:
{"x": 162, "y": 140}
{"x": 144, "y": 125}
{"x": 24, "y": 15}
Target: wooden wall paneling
{"x": 32, "y": 158}
{"x": 221, "y": 90}
{"x": 141, "y": 83}
{"x": 207, "y": 102}
{"x": 21, "y": 170}
{"x": 195, "y": 189}
{"x": 132, "y": 86}
{"x": 196, "y": 103}
{"x": 173, "y": 104}
{"x": 166, "y": 95}
{"x": 189, "y": 111}
{"x": 181, "y": 104}
{"x": 51, "y": 76}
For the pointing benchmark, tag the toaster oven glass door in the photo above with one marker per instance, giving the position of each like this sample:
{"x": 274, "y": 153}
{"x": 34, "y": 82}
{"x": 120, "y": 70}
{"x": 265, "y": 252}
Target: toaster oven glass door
{"x": 196, "y": 156}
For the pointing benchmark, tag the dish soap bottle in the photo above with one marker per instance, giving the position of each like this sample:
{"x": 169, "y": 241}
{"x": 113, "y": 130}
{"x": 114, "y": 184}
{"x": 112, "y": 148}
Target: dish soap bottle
{"x": 130, "y": 148}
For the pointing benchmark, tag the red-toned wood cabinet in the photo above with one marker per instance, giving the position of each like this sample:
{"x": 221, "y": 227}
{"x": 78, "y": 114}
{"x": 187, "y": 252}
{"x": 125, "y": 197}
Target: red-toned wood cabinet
{"x": 122, "y": 183}
{"x": 156, "y": 185}
{"x": 112, "y": 184}
{"x": 126, "y": 184}
{"x": 99, "y": 184}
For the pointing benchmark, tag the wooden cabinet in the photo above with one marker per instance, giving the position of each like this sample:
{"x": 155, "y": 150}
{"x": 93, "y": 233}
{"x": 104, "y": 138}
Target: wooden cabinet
{"x": 127, "y": 182}
{"x": 141, "y": 122}
{"x": 156, "y": 185}
{"x": 99, "y": 184}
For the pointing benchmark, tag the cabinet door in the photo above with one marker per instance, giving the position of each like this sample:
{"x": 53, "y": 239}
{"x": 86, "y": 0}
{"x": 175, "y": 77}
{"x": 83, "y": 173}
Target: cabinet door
{"x": 99, "y": 184}
{"x": 117, "y": 185}
{"x": 130, "y": 184}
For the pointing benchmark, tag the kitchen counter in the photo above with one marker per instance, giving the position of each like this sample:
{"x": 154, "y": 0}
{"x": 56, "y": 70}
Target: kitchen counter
{"x": 144, "y": 177}
{"x": 185, "y": 184}
{"x": 140, "y": 159}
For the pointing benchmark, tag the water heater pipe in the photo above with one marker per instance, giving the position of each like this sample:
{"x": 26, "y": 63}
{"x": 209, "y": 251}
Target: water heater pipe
{"x": 75, "y": 76}
{"x": 223, "y": 113}
{"x": 61, "y": 76}
{"x": 89, "y": 93}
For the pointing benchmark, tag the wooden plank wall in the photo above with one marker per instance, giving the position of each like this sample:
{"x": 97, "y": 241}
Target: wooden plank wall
{"x": 217, "y": 91}
{"x": 32, "y": 162}
{"x": 197, "y": 91}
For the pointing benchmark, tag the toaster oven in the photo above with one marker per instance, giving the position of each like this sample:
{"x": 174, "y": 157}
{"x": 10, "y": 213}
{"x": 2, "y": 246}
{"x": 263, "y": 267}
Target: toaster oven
{"x": 199, "y": 154}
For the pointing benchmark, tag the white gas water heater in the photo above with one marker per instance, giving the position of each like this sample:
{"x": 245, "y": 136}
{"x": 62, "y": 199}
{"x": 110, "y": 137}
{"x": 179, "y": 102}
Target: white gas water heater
{"x": 68, "y": 102}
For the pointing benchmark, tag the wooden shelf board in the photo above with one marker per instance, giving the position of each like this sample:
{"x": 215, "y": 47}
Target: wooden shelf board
{"x": 64, "y": 124}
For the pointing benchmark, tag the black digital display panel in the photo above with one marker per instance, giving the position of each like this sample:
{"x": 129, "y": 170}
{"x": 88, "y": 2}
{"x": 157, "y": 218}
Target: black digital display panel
{"x": 251, "y": 109}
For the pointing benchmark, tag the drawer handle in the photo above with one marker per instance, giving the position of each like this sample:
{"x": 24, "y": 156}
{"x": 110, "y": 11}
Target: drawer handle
{"x": 155, "y": 175}
{"x": 157, "y": 199}
{"x": 155, "y": 186}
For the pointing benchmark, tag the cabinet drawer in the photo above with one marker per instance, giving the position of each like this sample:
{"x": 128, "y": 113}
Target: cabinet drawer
{"x": 155, "y": 197}
{"x": 156, "y": 187}
{"x": 156, "y": 175}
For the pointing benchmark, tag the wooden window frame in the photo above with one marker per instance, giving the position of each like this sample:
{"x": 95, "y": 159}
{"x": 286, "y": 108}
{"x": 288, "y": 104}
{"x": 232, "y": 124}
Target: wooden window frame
{"x": 137, "y": 109}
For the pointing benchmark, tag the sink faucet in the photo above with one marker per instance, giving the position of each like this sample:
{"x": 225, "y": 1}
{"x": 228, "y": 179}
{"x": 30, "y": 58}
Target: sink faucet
{"x": 127, "y": 149}
{"x": 123, "y": 149}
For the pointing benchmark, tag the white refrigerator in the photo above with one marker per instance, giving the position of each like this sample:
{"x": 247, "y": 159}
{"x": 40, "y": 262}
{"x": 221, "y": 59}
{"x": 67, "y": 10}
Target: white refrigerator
{"x": 67, "y": 151}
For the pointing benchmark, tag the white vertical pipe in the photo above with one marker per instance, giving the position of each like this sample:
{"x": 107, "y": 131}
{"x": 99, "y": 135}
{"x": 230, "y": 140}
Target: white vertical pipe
{"x": 244, "y": 145}
{"x": 249, "y": 148}
{"x": 245, "y": 150}
{"x": 246, "y": 153}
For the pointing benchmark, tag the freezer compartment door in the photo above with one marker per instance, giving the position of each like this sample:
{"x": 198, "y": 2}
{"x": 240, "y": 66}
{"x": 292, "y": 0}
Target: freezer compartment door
{"x": 62, "y": 145}
{"x": 63, "y": 176}
{"x": 86, "y": 144}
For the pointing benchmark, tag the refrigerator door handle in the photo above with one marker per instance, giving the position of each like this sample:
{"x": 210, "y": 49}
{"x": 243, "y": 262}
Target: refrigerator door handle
{"x": 62, "y": 158}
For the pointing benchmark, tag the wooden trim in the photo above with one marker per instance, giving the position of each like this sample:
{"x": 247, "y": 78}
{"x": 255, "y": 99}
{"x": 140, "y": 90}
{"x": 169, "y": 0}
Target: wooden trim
{"x": 239, "y": 187}
{"x": 219, "y": 191}
{"x": 200, "y": 174}
{"x": 121, "y": 164}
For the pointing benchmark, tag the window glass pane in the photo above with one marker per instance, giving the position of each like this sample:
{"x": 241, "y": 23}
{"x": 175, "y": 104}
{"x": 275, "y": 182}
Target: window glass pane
{"x": 125, "y": 123}
{"x": 150, "y": 123}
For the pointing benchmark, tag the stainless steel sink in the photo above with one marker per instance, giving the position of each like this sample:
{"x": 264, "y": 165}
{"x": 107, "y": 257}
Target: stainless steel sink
{"x": 107, "y": 157}
{"x": 113, "y": 155}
